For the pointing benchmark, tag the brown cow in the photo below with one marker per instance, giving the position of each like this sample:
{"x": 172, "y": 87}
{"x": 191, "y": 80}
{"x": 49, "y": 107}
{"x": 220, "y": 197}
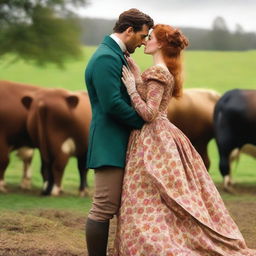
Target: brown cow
{"x": 13, "y": 132}
{"x": 58, "y": 123}
{"x": 193, "y": 114}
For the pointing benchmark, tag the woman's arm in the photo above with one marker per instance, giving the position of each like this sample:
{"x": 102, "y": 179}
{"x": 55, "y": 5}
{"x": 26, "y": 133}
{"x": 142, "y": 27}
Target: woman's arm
{"x": 146, "y": 109}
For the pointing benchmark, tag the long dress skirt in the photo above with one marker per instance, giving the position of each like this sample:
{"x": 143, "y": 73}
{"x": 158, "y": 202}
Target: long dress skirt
{"x": 170, "y": 205}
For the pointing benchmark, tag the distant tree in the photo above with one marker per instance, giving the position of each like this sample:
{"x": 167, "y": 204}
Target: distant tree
{"x": 39, "y": 30}
{"x": 220, "y": 35}
{"x": 239, "y": 39}
{"x": 239, "y": 29}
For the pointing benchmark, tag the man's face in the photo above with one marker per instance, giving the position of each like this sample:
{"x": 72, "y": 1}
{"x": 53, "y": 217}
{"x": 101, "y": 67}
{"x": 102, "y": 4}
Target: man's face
{"x": 137, "y": 39}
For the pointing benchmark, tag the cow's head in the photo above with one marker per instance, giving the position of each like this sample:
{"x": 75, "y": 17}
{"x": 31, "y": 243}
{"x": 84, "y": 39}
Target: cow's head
{"x": 72, "y": 101}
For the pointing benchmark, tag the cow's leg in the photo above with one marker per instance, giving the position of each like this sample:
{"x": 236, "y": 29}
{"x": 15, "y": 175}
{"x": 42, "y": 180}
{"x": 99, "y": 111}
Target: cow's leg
{"x": 58, "y": 167}
{"x": 225, "y": 148}
{"x": 26, "y": 155}
{"x": 48, "y": 180}
{"x": 83, "y": 188}
{"x": 4, "y": 161}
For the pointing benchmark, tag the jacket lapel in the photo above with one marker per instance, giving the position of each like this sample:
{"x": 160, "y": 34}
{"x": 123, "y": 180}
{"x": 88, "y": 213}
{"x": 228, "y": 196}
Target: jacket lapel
{"x": 114, "y": 47}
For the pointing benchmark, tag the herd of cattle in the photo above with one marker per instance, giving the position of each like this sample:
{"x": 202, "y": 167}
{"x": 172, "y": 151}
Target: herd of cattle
{"x": 56, "y": 122}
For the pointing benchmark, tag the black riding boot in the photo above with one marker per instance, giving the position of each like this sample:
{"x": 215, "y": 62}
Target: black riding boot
{"x": 97, "y": 237}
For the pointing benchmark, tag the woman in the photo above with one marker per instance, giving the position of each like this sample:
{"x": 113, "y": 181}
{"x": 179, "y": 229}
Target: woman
{"x": 170, "y": 205}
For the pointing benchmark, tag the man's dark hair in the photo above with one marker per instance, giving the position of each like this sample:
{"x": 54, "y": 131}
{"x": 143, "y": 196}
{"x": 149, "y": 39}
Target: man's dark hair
{"x": 132, "y": 18}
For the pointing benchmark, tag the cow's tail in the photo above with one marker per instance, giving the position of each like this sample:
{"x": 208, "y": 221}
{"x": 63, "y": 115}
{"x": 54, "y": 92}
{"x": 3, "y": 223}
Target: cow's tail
{"x": 219, "y": 108}
{"x": 42, "y": 130}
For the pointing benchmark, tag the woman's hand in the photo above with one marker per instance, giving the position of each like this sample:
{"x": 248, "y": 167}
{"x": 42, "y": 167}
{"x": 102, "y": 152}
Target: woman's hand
{"x": 134, "y": 68}
{"x": 128, "y": 80}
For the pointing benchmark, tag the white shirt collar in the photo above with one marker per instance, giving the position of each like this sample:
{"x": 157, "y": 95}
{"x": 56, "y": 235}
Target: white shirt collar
{"x": 119, "y": 42}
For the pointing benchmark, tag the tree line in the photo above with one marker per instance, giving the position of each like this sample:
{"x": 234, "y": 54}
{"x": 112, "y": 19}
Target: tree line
{"x": 218, "y": 38}
{"x": 49, "y": 31}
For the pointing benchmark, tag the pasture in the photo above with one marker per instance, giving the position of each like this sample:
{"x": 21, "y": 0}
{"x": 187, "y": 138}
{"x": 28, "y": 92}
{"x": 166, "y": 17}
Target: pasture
{"x": 35, "y": 225}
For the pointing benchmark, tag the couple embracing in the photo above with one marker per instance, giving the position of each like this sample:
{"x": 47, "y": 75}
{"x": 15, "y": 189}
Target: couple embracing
{"x": 146, "y": 170}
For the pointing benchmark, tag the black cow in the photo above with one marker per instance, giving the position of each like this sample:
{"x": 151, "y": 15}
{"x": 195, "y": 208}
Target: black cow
{"x": 234, "y": 125}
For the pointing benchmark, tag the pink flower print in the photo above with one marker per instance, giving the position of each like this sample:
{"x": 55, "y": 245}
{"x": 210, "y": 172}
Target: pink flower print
{"x": 145, "y": 217}
{"x": 142, "y": 240}
{"x": 200, "y": 203}
{"x": 159, "y": 219}
{"x": 133, "y": 250}
{"x": 158, "y": 157}
{"x": 146, "y": 227}
{"x": 156, "y": 230}
{"x": 164, "y": 172}
{"x": 148, "y": 247}
{"x": 173, "y": 164}
{"x": 148, "y": 141}
{"x": 130, "y": 243}
{"x": 140, "y": 210}
{"x": 144, "y": 185}
{"x": 140, "y": 194}
{"x": 146, "y": 201}
{"x": 136, "y": 177}
{"x": 171, "y": 178}
{"x": 176, "y": 172}
{"x": 136, "y": 233}
{"x": 154, "y": 238}
{"x": 150, "y": 209}
{"x": 197, "y": 214}
{"x": 132, "y": 186}
{"x": 185, "y": 201}
{"x": 216, "y": 218}
{"x": 129, "y": 211}
{"x": 178, "y": 184}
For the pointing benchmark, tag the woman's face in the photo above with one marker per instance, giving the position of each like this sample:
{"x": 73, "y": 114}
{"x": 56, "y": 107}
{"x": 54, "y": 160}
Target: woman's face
{"x": 152, "y": 45}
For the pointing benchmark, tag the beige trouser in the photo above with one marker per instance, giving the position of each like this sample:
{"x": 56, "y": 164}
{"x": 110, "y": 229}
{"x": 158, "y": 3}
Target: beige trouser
{"x": 107, "y": 195}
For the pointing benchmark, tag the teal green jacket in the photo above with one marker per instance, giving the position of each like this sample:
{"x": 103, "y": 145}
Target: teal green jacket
{"x": 113, "y": 118}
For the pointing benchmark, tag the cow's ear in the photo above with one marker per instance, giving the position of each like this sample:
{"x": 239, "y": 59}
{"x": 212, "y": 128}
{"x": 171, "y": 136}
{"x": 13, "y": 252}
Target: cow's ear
{"x": 27, "y": 101}
{"x": 72, "y": 101}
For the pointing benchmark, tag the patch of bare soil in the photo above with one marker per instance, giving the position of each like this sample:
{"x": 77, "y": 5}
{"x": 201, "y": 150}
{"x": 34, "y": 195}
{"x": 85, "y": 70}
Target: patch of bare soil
{"x": 61, "y": 233}
{"x": 41, "y": 233}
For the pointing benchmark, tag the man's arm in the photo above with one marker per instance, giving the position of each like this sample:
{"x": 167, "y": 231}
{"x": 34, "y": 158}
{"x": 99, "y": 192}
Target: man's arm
{"x": 107, "y": 82}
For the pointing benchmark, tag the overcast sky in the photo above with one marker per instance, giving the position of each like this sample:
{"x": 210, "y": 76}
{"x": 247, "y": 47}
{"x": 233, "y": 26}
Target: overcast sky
{"x": 193, "y": 13}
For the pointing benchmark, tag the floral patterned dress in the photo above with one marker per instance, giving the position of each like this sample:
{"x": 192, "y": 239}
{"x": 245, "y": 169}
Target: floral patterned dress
{"x": 170, "y": 205}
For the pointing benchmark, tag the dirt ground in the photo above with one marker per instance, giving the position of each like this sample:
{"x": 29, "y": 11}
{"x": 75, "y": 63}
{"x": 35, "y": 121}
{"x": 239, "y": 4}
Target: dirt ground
{"x": 61, "y": 233}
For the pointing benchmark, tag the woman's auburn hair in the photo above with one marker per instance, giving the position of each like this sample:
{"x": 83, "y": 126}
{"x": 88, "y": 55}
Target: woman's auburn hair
{"x": 173, "y": 42}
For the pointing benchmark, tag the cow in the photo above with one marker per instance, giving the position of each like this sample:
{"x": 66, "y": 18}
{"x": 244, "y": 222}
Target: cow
{"x": 235, "y": 126}
{"x": 58, "y": 124}
{"x": 13, "y": 132}
{"x": 192, "y": 113}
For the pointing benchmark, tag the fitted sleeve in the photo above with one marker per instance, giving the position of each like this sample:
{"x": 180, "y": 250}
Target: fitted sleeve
{"x": 149, "y": 108}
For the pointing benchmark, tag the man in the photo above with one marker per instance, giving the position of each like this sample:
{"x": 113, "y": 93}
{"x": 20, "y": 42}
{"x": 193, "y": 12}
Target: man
{"x": 113, "y": 118}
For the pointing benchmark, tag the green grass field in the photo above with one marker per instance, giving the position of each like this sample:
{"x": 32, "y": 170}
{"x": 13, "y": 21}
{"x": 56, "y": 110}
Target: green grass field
{"x": 221, "y": 71}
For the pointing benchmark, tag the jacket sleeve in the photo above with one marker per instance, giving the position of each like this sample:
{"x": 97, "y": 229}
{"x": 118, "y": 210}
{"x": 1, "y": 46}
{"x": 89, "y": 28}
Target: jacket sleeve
{"x": 107, "y": 82}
